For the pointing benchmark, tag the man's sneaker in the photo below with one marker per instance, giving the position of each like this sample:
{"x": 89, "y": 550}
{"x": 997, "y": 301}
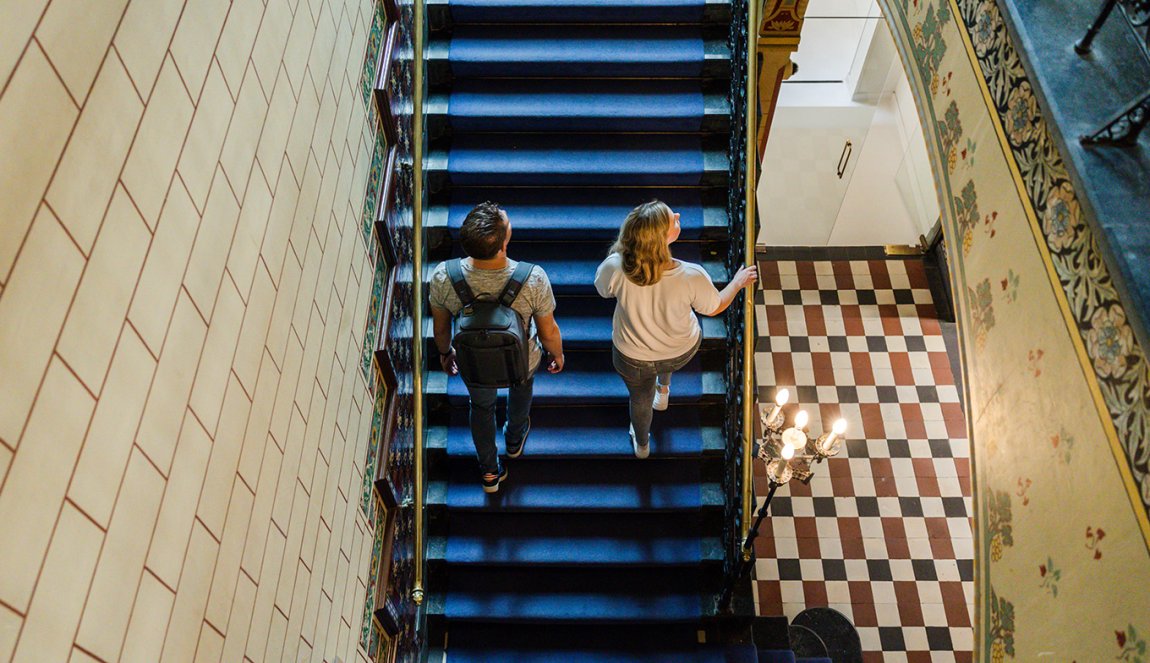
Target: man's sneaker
{"x": 517, "y": 450}
{"x": 641, "y": 450}
{"x": 491, "y": 481}
{"x": 662, "y": 398}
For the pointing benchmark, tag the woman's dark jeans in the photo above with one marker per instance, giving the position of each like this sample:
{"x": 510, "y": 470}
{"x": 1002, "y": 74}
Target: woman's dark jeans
{"x": 639, "y": 376}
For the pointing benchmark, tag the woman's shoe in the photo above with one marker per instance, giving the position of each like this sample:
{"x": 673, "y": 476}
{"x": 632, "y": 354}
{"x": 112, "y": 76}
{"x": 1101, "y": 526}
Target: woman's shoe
{"x": 641, "y": 450}
{"x": 662, "y": 398}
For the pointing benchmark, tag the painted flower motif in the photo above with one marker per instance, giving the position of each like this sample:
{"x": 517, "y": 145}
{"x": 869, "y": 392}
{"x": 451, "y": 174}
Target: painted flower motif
{"x": 1010, "y": 286}
{"x": 1060, "y": 220}
{"x": 1109, "y": 341}
{"x": 982, "y": 310}
{"x": 1023, "y": 487}
{"x": 929, "y": 45}
{"x": 1063, "y": 444}
{"x": 1000, "y": 528}
{"x": 1094, "y": 538}
{"x": 983, "y": 34}
{"x": 1021, "y": 111}
{"x": 1132, "y": 644}
{"x": 1051, "y": 575}
{"x": 1001, "y": 628}
{"x": 966, "y": 214}
{"x": 1034, "y": 360}
{"x": 968, "y": 152}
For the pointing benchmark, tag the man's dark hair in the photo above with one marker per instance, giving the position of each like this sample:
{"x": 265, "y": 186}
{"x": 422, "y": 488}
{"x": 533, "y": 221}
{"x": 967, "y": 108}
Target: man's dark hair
{"x": 483, "y": 231}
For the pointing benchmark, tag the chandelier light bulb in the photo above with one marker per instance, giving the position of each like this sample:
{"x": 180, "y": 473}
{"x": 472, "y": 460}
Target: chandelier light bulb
{"x": 781, "y": 399}
{"x": 787, "y": 452}
{"x": 794, "y": 439}
{"x": 801, "y": 419}
{"x": 840, "y": 427}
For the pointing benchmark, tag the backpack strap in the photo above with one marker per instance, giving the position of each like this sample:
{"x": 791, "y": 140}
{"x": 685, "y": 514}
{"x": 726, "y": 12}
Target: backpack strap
{"x": 462, "y": 289}
{"x": 515, "y": 283}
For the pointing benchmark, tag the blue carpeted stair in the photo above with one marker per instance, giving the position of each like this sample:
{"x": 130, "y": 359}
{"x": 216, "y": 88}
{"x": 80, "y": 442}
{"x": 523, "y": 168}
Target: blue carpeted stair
{"x": 569, "y": 113}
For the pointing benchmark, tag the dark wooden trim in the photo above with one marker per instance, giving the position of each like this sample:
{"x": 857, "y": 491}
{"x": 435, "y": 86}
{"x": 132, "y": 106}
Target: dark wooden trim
{"x": 385, "y": 207}
{"x": 387, "y": 51}
{"x": 390, "y": 10}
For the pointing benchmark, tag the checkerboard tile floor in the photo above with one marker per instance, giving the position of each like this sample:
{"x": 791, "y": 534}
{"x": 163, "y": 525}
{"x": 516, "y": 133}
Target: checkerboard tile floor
{"x": 882, "y": 533}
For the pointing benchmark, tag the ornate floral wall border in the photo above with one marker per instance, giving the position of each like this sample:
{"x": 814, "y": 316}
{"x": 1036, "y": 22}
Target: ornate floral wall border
{"x": 1113, "y": 362}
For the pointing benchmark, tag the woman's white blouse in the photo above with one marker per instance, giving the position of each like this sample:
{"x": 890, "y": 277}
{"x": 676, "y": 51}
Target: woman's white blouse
{"x": 656, "y": 322}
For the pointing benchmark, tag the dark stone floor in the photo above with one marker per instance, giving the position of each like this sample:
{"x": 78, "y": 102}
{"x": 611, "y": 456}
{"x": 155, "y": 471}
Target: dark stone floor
{"x": 1083, "y": 93}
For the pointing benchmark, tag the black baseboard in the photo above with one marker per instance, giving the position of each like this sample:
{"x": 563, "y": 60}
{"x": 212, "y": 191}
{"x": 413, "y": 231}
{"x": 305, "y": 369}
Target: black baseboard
{"x": 828, "y": 253}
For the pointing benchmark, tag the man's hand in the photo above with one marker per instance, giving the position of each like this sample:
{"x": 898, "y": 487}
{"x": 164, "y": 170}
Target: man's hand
{"x": 556, "y": 364}
{"x": 447, "y": 362}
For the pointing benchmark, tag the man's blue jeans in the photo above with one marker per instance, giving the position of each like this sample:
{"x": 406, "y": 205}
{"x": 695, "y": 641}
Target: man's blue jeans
{"x": 483, "y": 401}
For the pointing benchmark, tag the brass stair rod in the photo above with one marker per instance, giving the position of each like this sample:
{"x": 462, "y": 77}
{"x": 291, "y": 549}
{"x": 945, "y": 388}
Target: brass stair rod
{"x": 417, "y": 281}
{"x": 752, "y": 177}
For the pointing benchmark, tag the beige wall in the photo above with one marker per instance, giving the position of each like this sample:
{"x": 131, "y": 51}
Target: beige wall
{"x": 183, "y": 286}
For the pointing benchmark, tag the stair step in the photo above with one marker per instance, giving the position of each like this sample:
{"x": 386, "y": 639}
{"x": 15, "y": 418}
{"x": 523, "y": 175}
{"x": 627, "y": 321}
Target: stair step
{"x": 577, "y": 51}
{"x": 608, "y": 550}
{"x": 578, "y": 105}
{"x": 510, "y": 536}
{"x": 585, "y": 486}
{"x": 602, "y": 643}
{"x": 582, "y": 214}
{"x": 590, "y": 432}
{"x": 589, "y": 379}
{"x": 574, "y": 594}
{"x": 567, "y": 160}
{"x": 696, "y": 654}
{"x": 448, "y": 12}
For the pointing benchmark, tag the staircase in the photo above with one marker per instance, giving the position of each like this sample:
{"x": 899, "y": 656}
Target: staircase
{"x": 569, "y": 113}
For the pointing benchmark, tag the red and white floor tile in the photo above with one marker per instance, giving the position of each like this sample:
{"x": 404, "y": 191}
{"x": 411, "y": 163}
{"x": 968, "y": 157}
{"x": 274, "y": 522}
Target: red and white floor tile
{"x": 882, "y": 533}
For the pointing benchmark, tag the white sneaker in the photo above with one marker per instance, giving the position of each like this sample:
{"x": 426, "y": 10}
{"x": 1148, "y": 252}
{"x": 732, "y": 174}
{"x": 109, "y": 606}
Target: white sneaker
{"x": 641, "y": 450}
{"x": 662, "y": 398}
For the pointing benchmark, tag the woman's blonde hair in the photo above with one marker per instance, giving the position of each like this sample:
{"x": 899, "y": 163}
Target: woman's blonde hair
{"x": 642, "y": 243}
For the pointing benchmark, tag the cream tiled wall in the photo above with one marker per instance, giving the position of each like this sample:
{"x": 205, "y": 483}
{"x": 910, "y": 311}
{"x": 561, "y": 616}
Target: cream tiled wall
{"x": 183, "y": 287}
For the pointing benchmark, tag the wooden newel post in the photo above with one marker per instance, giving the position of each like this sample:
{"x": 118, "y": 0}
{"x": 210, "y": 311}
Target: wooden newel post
{"x": 778, "y": 38}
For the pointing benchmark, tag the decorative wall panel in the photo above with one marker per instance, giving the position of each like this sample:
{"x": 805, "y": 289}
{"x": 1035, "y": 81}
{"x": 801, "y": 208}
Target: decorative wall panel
{"x": 388, "y": 225}
{"x": 1058, "y": 393}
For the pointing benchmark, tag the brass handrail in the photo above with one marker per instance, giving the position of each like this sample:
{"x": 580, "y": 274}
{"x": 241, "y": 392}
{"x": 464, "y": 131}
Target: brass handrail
{"x": 417, "y": 295}
{"x": 752, "y": 177}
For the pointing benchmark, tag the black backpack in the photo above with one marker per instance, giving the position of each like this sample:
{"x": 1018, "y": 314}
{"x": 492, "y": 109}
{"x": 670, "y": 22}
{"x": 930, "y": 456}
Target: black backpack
{"x": 490, "y": 339}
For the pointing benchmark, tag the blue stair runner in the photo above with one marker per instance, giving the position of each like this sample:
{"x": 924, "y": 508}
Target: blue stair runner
{"x": 569, "y": 113}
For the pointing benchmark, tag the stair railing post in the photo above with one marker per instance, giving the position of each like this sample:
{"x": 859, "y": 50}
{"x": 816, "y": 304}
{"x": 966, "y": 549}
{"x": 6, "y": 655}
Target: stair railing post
{"x": 751, "y": 172}
{"x": 417, "y": 591}
{"x": 747, "y": 557}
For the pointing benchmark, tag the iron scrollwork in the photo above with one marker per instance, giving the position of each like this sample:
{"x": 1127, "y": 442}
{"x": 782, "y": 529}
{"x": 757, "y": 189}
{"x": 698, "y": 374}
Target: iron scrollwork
{"x": 736, "y": 258}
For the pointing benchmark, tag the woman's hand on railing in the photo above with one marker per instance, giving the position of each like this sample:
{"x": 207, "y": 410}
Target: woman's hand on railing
{"x": 746, "y": 276}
